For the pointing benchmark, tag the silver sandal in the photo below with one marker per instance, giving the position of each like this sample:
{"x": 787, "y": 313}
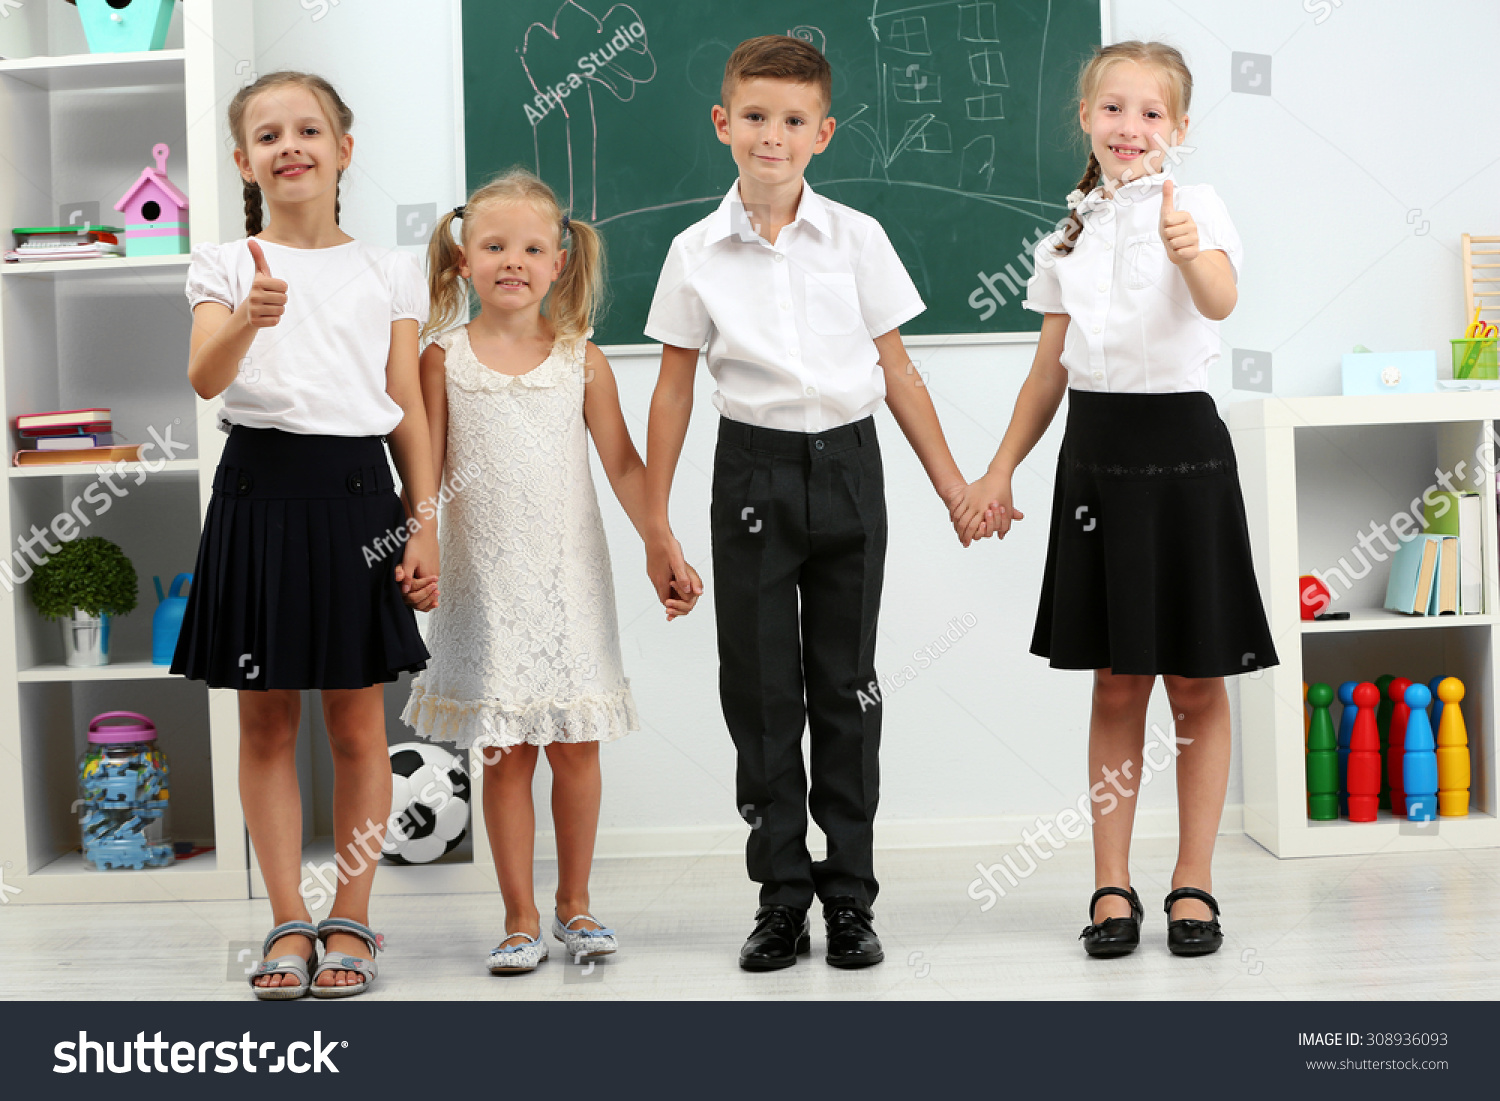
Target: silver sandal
{"x": 365, "y": 968}
{"x": 285, "y": 965}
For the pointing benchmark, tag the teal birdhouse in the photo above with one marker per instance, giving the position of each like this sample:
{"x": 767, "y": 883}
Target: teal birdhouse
{"x": 124, "y": 26}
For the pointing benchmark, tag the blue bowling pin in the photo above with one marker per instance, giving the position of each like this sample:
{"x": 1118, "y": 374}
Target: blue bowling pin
{"x": 1346, "y": 732}
{"x": 1437, "y": 701}
{"x": 1419, "y": 774}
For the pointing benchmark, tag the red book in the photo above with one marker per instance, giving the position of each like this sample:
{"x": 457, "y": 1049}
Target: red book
{"x": 63, "y": 422}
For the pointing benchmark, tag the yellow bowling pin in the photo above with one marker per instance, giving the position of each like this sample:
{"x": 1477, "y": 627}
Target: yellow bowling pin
{"x": 1452, "y": 752}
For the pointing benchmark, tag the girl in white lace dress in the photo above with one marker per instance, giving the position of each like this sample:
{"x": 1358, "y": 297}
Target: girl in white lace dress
{"x": 525, "y": 646}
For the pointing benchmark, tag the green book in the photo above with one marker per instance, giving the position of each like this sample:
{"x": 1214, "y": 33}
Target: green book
{"x": 1432, "y": 504}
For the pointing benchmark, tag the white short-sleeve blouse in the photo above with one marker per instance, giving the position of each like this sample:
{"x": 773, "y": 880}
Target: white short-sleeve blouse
{"x": 322, "y": 370}
{"x": 1133, "y": 327}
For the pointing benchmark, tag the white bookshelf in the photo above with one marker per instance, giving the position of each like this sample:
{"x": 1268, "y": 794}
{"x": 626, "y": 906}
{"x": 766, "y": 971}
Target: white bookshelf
{"x": 79, "y": 127}
{"x": 1316, "y": 473}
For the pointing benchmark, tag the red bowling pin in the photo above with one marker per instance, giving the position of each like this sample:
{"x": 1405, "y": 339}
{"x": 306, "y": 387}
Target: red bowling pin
{"x": 1364, "y": 756}
{"x": 1393, "y": 759}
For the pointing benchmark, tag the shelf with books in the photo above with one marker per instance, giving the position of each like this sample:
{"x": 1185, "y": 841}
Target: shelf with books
{"x": 165, "y": 468}
{"x": 1326, "y": 481}
{"x": 1379, "y": 619}
{"x": 174, "y": 267}
{"x": 111, "y": 332}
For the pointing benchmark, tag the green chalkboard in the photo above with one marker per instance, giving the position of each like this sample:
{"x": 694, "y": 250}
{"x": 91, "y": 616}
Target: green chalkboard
{"x": 957, "y": 128}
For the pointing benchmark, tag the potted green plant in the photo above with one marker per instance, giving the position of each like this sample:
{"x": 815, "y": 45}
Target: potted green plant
{"x": 83, "y": 584}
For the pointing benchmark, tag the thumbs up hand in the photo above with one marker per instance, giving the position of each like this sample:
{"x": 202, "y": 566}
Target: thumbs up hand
{"x": 1178, "y": 230}
{"x": 267, "y": 300}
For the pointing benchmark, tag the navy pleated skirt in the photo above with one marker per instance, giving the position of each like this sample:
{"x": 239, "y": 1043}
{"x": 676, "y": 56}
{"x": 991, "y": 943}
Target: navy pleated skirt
{"x": 295, "y": 582}
{"x": 1148, "y": 563}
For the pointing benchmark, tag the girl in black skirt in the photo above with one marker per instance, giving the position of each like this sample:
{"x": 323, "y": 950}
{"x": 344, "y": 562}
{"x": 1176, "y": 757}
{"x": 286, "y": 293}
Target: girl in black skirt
{"x": 1148, "y": 564}
{"x": 311, "y": 338}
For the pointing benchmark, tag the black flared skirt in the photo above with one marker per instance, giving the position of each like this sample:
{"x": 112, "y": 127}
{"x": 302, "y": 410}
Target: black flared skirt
{"x": 1148, "y": 563}
{"x": 295, "y": 582}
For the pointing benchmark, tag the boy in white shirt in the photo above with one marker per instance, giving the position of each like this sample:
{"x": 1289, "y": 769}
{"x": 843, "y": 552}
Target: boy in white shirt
{"x": 799, "y": 300}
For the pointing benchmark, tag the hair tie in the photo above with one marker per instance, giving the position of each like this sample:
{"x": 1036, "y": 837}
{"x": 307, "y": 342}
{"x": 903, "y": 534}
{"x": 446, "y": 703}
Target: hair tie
{"x": 458, "y": 211}
{"x": 566, "y": 223}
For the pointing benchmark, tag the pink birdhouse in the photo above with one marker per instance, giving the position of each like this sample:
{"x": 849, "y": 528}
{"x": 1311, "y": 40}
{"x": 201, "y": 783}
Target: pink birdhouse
{"x": 155, "y": 213}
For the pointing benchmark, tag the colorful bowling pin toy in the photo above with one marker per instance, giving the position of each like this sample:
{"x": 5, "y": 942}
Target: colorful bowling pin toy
{"x": 1383, "y": 723}
{"x": 1419, "y": 770}
{"x": 1395, "y": 758}
{"x": 1346, "y": 731}
{"x": 1364, "y": 756}
{"x": 1452, "y": 751}
{"x": 1322, "y": 758}
{"x": 1437, "y": 701}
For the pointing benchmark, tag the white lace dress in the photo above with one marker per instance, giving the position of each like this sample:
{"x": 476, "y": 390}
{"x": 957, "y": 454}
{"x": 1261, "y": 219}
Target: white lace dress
{"x": 525, "y": 644}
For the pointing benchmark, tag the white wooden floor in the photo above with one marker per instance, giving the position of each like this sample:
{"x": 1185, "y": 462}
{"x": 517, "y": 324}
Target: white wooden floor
{"x": 1385, "y": 926}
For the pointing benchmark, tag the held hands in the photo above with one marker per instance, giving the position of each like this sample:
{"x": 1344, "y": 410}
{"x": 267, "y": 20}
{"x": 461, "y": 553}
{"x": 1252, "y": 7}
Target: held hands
{"x": 418, "y": 572}
{"x": 1178, "y": 230}
{"x": 677, "y": 584}
{"x": 981, "y": 509}
{"x": 267, "y": 299}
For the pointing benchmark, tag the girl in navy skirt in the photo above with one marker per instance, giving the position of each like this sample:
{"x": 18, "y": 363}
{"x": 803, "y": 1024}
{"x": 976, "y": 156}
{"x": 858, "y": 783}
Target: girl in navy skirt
{"x": 311, "y": 338}
{"x": 1148, "y": 564}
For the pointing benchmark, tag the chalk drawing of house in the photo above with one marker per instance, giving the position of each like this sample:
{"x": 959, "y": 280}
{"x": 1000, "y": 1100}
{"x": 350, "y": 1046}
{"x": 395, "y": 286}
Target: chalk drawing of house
{"x": 943, "y": 83}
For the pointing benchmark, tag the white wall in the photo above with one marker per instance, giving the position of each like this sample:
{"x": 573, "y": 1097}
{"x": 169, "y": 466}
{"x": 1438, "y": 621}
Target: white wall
{"x": 1350, "y": 185}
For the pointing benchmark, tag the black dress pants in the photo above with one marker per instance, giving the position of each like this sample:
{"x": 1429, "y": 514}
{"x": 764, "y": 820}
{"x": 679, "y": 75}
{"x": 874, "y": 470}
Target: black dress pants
{"x": 799, "y": 538}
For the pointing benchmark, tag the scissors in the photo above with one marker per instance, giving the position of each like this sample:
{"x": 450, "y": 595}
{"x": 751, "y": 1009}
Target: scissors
{"x": 1479, "y": 330}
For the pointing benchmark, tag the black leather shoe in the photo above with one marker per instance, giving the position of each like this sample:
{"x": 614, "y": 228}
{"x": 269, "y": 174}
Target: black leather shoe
{"x": 780, "y": 936}
{"x": 1114, "y": 936}
{"x": 1189, "y": 936}
{"x": 851, "y": 933}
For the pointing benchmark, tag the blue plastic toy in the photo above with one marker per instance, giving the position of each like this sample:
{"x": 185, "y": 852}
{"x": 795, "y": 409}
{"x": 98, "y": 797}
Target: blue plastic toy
{"x": 1419, "y": 774}
{"x": 166, "y": 623}
{"x": 1346, "y": 732}
{"x": 1437, "y": 701}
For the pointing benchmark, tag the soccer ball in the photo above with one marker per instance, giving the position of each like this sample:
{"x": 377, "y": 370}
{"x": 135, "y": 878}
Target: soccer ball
{"x": 429, "y": 804}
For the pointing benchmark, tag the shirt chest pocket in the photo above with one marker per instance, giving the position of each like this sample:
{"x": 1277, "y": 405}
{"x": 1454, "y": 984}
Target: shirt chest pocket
{"x": 832, "y": 302}
{"x": 1144, "y": 257}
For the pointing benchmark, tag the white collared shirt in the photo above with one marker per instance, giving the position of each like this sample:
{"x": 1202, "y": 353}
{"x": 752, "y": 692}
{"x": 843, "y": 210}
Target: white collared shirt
{"x": 790, "y": 327}
{"x": 1132, "y": 326}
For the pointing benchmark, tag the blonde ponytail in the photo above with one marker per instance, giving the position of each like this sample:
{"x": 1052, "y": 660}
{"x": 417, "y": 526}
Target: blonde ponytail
{"x": 579, "y": 291}
{"x": 576, "y": 298}
{"x": 446, "y": 290}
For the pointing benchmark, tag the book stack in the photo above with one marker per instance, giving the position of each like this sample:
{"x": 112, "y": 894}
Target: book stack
{"x": 44, "y": 243}
{"x": 1440, "y": 572}
{"x": 70, "y": 436}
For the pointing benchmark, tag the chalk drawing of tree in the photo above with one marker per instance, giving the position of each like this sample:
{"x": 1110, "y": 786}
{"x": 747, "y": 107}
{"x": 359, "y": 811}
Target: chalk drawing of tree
{"x": 580, "y": 52}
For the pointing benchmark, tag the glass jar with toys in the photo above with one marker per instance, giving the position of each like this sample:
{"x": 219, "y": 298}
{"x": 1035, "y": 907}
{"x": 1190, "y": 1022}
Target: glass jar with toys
{"x": 122, "y": 790}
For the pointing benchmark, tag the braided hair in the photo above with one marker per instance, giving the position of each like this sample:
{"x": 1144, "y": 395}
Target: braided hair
{"x": 339, "y": 116}
{"x": 1177, "y": 83}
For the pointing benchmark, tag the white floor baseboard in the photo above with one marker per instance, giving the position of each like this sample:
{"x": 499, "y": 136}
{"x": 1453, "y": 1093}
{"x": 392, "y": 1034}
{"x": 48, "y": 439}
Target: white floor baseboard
{"x": 915, "y": 833}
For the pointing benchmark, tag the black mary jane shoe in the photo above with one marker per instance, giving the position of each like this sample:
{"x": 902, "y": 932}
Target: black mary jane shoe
{"x": 1114, "y": 936}
{"x": 1189, "y": 936}
{"x": 852, "y": 941}
{"x": 780, "y": 936}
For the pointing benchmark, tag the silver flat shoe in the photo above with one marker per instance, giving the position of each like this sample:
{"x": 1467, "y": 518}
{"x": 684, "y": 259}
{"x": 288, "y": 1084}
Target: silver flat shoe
{"x": 517, "y": 958}
{"x": 584, "y": 944}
